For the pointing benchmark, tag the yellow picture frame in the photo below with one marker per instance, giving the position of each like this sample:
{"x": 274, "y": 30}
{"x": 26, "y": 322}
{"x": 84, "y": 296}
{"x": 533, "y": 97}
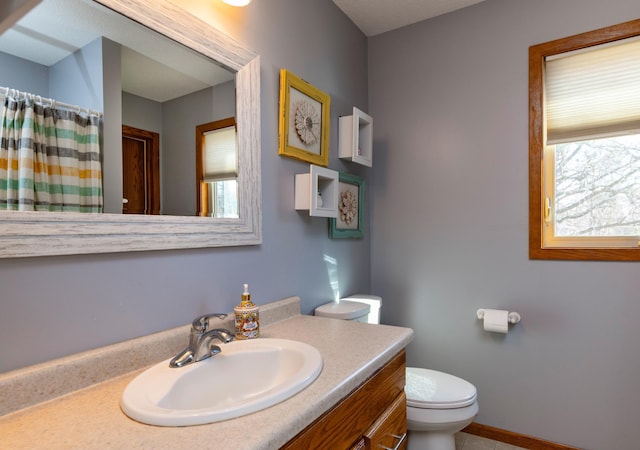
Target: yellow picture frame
{"x": 304, "y": 120}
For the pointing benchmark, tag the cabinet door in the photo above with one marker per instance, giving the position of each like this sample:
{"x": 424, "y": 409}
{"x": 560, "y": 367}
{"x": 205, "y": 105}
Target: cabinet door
{"x": 345, "y": 424}
{"x": 390, "y": 430}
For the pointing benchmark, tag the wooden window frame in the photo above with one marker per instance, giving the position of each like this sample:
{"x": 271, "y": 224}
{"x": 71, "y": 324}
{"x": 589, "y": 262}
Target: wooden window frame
{"x": 537, "y": 55}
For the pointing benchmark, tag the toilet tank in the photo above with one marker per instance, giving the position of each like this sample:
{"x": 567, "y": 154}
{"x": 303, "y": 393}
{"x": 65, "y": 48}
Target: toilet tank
{"x": 374, "y": 303}
{"x": 359, "y": 307}
{"x": 344, "y": 310}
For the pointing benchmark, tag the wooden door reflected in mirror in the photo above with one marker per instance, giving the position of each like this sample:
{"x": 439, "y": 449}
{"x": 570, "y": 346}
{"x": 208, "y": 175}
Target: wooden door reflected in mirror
{"x": 140, "y": 171}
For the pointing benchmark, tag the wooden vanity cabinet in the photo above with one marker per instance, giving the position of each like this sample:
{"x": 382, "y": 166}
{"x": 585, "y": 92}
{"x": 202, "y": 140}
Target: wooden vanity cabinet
{"x": 373, "y": 416}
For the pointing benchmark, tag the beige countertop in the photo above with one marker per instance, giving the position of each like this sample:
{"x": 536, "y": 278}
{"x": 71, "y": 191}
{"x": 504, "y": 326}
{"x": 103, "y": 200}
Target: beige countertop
{"x": 91, "y": 418}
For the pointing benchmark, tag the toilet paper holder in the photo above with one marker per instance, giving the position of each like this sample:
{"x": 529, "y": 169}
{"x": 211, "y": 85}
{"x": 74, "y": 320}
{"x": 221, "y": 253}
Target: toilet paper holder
{"x": 514, "y": 317}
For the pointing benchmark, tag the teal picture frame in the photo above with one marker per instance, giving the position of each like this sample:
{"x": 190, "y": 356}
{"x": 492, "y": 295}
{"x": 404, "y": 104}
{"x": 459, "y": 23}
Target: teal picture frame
{"x": 351, "y": 196}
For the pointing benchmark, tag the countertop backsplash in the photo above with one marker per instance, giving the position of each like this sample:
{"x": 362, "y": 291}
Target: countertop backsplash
{"x": 46, "y": 381}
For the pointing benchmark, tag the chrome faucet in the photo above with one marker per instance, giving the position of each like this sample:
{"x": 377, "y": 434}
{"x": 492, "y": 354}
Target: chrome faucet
{"x": 201, "y": 341}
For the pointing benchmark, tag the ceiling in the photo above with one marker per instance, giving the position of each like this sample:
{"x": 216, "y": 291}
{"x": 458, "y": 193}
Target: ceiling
{"x": 378, "y": 16}
{"x": 39, "y": 38}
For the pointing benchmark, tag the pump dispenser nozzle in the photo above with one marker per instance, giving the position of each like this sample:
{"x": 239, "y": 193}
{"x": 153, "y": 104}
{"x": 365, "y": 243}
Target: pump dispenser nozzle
{"x": 246, "y": 297}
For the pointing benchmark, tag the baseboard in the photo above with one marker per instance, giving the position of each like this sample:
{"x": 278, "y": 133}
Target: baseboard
{"x": 509, "y": 437}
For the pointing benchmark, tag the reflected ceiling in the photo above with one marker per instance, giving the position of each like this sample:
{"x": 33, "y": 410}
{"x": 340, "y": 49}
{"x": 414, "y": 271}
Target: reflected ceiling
{"x": 40, "y": 38}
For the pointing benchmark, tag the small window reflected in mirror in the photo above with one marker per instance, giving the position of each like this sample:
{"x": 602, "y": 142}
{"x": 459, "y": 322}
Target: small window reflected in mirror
{"x": 217, "y": 169}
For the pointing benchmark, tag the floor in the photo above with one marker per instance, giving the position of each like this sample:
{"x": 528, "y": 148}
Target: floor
{"x": 465, "y": 441}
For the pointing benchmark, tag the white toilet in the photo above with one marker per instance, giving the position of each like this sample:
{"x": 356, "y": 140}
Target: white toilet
{"x": 438, "y": 404}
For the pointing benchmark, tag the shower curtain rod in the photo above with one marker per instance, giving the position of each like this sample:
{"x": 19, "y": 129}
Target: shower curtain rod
{"x": 6, "y": 91}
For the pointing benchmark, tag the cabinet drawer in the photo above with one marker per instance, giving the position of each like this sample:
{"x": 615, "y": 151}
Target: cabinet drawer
{"x": 390, "y": 430}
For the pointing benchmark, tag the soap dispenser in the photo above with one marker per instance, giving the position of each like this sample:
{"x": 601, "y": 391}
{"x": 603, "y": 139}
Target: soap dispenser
{"x": 247, "y": 317}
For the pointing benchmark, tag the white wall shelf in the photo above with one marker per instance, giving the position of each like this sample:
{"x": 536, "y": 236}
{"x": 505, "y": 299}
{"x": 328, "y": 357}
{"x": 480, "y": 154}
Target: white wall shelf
{"x": 321, "y": 181}
{"x": 356, "y": 138}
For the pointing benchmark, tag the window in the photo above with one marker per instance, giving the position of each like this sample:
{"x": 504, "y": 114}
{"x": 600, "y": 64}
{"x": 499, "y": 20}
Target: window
{"x": 584, "y": 146}
{"x": 217, "y": 169}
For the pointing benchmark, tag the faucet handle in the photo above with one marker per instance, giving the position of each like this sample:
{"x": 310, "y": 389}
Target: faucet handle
{"x": 201, "y": 324}
{"x": 225, "y": 336}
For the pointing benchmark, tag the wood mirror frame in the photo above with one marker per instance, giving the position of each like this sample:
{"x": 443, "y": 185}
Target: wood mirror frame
{"x": 36, "y": 234}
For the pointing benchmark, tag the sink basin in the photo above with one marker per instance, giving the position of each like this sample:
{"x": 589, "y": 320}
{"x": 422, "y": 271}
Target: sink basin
{"x": 245, "y": 377}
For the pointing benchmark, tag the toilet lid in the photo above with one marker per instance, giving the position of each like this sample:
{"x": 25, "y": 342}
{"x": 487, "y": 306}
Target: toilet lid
{"x": 344, "y": 310}
{"x": 431, "y": 389}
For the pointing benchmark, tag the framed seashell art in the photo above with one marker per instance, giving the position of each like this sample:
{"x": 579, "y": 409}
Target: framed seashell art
{"x": 304, "y": 120}
{"x": 350, "y": 220}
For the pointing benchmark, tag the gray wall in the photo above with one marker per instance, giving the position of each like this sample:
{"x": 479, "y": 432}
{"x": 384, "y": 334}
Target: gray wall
{"x": 140, "y": 112}
{"x": 179, "y": 120}
{"x": 56, "y": 306}
{"x": 24, "y": 75}
{"x": 450, "y": 227}
{"x": 77, "y": 79}
{"x": 112, "y": 125}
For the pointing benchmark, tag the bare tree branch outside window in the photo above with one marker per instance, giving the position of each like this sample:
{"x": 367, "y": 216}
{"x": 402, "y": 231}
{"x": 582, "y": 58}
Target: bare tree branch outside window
{"x": 598, "y": 187}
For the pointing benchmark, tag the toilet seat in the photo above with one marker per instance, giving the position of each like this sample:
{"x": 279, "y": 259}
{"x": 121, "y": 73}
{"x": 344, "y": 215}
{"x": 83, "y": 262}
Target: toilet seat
{"x": 430, "y": 389}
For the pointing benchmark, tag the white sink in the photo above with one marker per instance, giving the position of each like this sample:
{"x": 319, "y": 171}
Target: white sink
{"x": 245, "y": 377}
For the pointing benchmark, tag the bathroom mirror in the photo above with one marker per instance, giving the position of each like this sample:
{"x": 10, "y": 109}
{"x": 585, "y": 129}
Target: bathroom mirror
{"x": 33, "y": 233}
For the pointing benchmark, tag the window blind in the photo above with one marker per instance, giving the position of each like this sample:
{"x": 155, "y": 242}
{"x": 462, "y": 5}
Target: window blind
{"x": 220, "y": 154}
{"x": 594, "y": 92}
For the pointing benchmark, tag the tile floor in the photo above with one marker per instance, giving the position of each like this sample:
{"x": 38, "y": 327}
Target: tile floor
{"x": 465, "y": 441}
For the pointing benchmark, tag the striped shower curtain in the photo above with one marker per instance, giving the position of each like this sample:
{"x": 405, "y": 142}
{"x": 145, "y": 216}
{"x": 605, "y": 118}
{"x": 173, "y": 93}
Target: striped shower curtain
{"x": 49, "y": 159}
